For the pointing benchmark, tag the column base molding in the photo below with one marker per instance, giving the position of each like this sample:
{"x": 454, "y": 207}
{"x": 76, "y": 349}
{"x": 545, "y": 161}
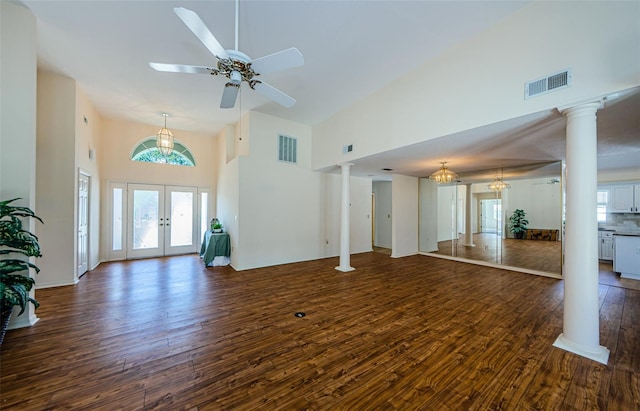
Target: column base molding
{"x": 599, "y": 353}
{"x": 345, "y": 269}
{"x": 22, "y": 321}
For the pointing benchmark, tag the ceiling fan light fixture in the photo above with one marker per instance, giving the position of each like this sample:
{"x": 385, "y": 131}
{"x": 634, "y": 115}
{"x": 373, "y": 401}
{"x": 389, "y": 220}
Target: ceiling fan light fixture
{"x": 443, "y": 175}
{"x": 498, "y": 185}
{"x": 164, "y": 138}
{"x": 235, "y": 77}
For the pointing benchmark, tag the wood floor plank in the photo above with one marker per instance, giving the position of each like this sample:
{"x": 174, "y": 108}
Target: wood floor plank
{"x": 396, "y": 334}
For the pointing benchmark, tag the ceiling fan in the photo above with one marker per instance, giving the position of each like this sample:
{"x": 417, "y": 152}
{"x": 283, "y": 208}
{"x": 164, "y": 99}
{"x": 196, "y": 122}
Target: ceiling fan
{"x": 234, "y": 64}
{"x": 554, "y": 180}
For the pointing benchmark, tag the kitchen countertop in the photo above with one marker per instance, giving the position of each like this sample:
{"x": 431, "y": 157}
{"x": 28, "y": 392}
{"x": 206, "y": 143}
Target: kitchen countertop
{"x": 622, "y": 229}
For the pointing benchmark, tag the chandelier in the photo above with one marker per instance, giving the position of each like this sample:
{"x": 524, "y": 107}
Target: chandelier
{"x": 498, "y": 185}
{"x": 443, "y": 175}
{"x": 164, "y": 140}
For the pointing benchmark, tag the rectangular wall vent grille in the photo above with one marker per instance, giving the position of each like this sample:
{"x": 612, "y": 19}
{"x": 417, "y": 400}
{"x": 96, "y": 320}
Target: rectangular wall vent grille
{"x": 547, "y": 84}
{"x": 288, "y": 149}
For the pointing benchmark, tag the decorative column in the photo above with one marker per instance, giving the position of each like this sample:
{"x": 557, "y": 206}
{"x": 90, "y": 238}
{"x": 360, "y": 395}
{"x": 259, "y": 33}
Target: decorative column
{"x": 345, "y": 256}
{"x": 18, "y": 121}
{"x": 468, "y": 233}
{"x": 581, "y": 328}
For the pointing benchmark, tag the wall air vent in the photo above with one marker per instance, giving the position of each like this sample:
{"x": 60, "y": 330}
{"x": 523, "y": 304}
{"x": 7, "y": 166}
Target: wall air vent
{"x": 547, "y": 84}
{"x": 287, "y": 149}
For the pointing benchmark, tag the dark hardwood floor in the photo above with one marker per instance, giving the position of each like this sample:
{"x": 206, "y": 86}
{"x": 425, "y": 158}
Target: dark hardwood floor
{"x": 492, "y": 248}
{"x": 398, "y": 333}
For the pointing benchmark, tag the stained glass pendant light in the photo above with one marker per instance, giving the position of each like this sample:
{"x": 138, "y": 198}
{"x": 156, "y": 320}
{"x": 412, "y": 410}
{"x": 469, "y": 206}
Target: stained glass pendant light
{"x": 164, "y": 140}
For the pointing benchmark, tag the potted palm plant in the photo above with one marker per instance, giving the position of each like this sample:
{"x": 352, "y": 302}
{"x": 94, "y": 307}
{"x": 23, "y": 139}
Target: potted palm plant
{"x": 14, "y": 286}
{"x": 518, "y": 224}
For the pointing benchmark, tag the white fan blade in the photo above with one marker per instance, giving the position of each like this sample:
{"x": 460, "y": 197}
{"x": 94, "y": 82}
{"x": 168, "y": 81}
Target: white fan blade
{"x": 197, "y": 26}
{"x": 274, "y": 94}
{"x": 229, "y": 95}
{"x": 181, "y": 68}
{"x": 281, "y": 60}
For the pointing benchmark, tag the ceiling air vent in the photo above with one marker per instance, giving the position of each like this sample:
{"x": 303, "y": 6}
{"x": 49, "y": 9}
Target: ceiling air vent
{"x": 547, "y": 84}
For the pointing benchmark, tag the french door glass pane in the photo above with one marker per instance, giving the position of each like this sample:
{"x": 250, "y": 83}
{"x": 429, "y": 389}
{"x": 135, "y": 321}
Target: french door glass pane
{"x": 181, "y": 218}
{"x": 117, "y": 220}
{"x": 204, "y": 206}
{"x": 145, "y": 219}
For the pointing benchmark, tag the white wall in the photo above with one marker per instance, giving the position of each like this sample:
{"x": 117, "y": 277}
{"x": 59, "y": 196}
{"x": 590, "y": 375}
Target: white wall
{"x": 283, "y": 212}
{"x": 612, "y": 176}
{"x": 18, "y": 118}
{"x": 228, "y": 188}
{"x": 383, "y": 223}
{"x": 119, "y": 138}
{"x": 541, "y": 202}
{"x": 56, "y": 178}
{"x": 404, "y": 232}
{"x": 359, "y": 215}
{"x": 481, "y": 81}
{"x": 281, "y": 216}
{"x": 87, "y": 138}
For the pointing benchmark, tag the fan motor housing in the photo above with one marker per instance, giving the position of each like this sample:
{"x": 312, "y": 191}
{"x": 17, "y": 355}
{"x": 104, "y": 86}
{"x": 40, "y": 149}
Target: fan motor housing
{"x": 237, "y": 67}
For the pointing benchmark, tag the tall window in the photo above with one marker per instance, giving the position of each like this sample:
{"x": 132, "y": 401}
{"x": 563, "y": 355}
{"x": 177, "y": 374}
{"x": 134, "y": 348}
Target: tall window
{"x": 147, "y": 152}
{"x": 603, "y": 200}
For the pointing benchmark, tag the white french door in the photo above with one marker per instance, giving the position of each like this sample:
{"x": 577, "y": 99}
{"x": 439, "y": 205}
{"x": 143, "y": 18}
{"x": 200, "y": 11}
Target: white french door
{"x": 83, "y": 223}
{"x": 162, "y": 220}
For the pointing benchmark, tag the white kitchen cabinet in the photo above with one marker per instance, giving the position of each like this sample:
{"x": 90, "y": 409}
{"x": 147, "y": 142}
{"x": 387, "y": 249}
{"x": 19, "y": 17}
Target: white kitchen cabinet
{"x": 625, "y": 198}
{"x": 627, "y": 256}
{"x": 605, "y": 245}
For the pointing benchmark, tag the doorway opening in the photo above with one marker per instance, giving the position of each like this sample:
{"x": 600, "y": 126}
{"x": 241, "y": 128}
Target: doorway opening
{"x": 84, "y": 181}
{"x": 490, "y": 215}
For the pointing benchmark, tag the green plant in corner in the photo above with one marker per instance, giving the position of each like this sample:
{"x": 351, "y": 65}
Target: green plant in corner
{"x": 518, "y": 224}
{"x": 14, "y": 239}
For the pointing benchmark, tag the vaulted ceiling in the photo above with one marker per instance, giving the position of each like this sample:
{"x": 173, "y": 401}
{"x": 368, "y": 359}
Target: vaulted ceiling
{"x": 351, "y": 49}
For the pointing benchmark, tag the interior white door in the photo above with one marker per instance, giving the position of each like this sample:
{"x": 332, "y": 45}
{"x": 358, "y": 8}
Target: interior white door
{"x": 161, "y": 220}
{"x": 83, "y": 224}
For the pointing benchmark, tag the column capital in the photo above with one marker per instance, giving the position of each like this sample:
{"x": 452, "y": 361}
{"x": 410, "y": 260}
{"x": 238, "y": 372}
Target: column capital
{"x": 345, "y": 165}
{"x": 581, "y": 109}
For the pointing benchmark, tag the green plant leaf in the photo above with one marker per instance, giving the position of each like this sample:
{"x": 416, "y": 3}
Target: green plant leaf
{"x": 10, "y": 210}
{"x": 15, "y": 287}
{"x": 14, "y": 265}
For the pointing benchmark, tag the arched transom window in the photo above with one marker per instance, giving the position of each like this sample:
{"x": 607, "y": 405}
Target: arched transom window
{"x": 147, "y": 152}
